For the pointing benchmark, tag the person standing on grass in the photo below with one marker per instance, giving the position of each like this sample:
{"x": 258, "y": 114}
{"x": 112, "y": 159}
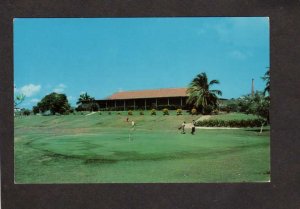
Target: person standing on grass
{"x": 131, "y": 130}
{"x": 193, "y": 127}
{"x": 183, "y": 127}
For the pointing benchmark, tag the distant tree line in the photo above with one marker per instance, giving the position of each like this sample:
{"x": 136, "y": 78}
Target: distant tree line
{"x": 56, "y": 103}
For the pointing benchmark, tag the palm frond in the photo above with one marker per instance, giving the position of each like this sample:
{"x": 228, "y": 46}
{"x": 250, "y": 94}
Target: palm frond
{"x": 212, "y": 82}
{"x": 218, "y": 92}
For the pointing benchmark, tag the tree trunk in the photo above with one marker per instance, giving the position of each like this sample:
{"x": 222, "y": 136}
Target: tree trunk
{"x": 261, "y": 128}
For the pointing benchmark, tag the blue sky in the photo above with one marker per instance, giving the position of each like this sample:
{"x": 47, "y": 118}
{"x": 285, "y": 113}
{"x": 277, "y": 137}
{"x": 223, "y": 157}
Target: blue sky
{"x": 106, "y": 55}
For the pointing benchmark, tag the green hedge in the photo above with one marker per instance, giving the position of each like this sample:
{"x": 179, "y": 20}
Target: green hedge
{"x": 165, "y": 111}
{"x": 230, "y": 123}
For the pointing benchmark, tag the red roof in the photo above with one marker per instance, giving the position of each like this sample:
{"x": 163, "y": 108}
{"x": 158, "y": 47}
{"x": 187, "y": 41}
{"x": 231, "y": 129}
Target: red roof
{"x": 156, "y": 93}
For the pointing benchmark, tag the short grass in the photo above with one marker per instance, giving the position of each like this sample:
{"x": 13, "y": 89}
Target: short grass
{"x": 104, "y": 149}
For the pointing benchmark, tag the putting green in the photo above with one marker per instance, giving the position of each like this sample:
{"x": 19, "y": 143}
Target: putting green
{"x": 103, "y": 149}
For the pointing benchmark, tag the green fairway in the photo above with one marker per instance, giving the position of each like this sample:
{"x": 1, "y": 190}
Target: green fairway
{"x": 104, "y": 148}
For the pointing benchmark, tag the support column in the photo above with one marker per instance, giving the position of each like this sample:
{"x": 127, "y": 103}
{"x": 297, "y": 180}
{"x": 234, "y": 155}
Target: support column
{"x": 106, "y": 105}
{"x": 168, "y": 101}
{"x": 181, "y": 101}
{"x": 145, "y": 105}
{"x": 115, "y": 105}
{"x": 124, "y": 105}
{"x": 156, "y": 102}
{"x": 134, "y": 104}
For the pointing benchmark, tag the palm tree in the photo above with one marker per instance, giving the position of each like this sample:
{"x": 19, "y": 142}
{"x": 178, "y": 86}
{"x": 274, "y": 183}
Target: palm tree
{"x": 200, "y": 94}
{"x": 266, "y": 78}
{"x": 85, "y": 101}
{"x": 83, "y": 98}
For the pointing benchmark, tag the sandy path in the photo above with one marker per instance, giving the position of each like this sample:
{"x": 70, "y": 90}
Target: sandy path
{"x": 90, "y": 114}
{"x": 202, "y": 117}
{"x": 202, "y": 127}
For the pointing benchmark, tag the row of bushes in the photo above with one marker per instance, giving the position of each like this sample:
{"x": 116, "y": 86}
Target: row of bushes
{"x": 230, "y": 123}
{"x": 153, "y": 112}
{"x": 165, "y": 111}
{"x": 140, "y": 108}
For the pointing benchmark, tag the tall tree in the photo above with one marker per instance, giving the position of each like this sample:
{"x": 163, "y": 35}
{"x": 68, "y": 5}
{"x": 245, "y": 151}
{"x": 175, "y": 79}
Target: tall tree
{"x": 266, "y": 78}
{"x": 55, "y": 103}
{"x": 258, "y": 105}
{"x": 200, "y": 94}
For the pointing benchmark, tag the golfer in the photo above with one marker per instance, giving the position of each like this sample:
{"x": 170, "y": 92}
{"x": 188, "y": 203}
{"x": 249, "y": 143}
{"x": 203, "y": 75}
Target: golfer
{"x": 131, "y": 130}
{"x": 193, "y": 127}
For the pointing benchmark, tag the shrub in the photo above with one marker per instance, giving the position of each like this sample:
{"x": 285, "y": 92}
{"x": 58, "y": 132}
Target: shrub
{"x": 94, "y": 106}
{"x": 109, "y": 113}
{"x": 223, "y": 108}
{"x": 79, "y": 108}
{"x": 165, "y": 111}
{"x": 141, "y": 113}
{"x": 215, "y": 112}
{"x": 194, "y": 111}
{"x": 118, "y": 113}
{"x": 208, "y": 109}
{"x": 232, "y": 107}
{"x": 35, "y": 110}
{"x": 26, "y": 112}
{"x": 179, "y": 111}
{"x": 230, "y": 123}
{"x": 153, "y": 112}
{"x": 129, "y": 112}
{"x": 100, "y": 113}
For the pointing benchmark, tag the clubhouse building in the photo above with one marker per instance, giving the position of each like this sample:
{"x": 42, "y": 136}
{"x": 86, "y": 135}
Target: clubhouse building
{"x": 171, "y": 98}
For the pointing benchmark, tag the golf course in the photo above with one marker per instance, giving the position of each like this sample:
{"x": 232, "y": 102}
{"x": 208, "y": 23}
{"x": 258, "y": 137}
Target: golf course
{"x": 104, "y": 148}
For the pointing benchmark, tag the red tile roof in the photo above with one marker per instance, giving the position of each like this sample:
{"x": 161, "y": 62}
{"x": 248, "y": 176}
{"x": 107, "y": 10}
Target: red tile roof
{"x": 156, "y": 93}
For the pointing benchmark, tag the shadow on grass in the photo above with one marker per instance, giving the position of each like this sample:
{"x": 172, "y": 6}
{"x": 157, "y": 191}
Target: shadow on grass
{"x": 121, "y": 156}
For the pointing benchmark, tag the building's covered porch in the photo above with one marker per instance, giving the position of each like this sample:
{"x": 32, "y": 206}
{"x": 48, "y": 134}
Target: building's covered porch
{"x": 142, "y": 103}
